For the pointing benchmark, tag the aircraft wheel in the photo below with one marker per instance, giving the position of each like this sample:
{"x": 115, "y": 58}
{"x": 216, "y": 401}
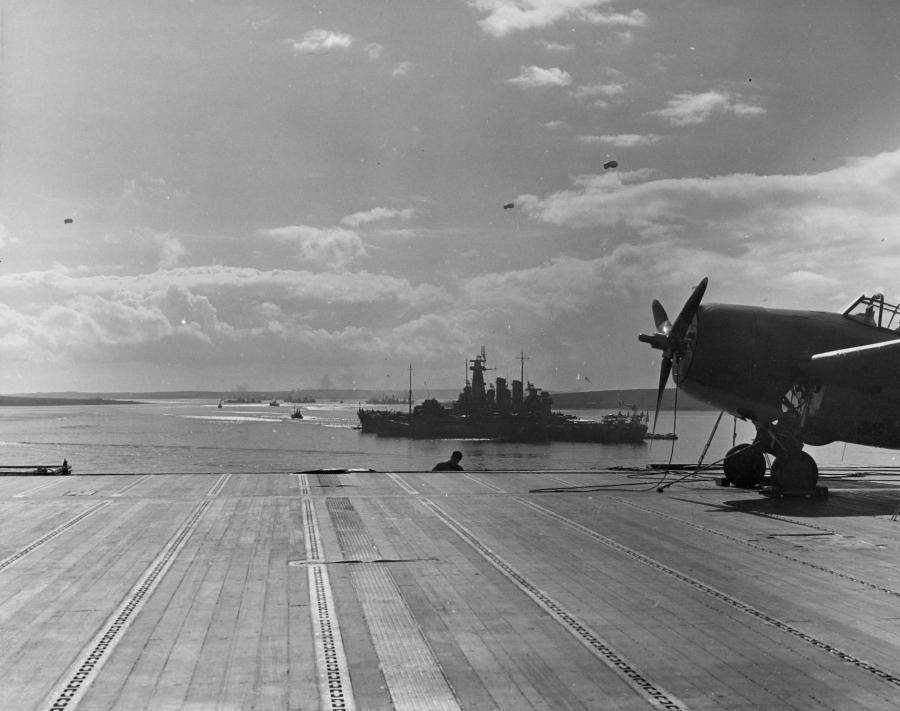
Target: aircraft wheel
{"x": 795, "y": 473}
{"x": 744, "y": 466}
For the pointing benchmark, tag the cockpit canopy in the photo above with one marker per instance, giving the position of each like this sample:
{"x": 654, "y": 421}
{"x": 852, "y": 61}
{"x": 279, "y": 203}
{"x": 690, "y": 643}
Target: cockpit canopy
{"x": 874, "y": 311}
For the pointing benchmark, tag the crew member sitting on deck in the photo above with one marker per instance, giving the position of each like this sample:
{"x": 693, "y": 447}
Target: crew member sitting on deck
{"x": 451, "y": 464}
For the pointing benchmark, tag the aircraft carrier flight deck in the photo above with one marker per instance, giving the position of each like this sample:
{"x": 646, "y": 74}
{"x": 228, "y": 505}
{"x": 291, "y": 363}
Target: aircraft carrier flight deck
{"x": 446, "y": 590}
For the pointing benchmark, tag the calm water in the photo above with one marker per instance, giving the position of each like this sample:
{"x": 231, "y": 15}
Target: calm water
{"x": 196, "y": 436}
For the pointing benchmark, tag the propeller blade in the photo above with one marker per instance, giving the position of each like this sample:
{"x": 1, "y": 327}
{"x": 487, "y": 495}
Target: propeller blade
{"x": 688, "y": 311}
{"x": 664, "y": 370}
{"x": 661, "y": 319}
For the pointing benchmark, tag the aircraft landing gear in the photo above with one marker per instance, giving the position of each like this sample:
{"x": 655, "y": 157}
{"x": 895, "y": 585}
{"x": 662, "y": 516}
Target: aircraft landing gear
{"x": 793, "y": 472}
{"x": 796, "y": 474}
{"x": 744, "y": 467}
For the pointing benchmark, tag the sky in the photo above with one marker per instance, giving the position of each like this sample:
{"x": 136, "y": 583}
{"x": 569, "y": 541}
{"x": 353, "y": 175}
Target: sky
{"x": 290, "y": 194}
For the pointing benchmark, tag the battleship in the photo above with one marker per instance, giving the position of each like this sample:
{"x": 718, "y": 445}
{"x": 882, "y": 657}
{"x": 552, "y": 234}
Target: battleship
{"x": 522, "y": 413}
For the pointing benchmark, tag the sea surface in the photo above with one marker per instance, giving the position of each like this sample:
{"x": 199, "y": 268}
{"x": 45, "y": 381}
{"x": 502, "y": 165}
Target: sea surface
{"x": 172, "y": 436}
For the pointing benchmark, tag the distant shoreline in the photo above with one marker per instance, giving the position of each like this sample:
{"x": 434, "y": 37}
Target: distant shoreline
{"x": 639, "y": 398}
{"x": 13, "y": 401}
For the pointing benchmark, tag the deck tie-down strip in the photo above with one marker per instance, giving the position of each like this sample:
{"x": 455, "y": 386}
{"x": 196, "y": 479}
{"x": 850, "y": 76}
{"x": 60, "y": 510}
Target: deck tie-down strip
{"x": 734, "y": 602}
{"x": 411, "y": 671}
{"x": 216, "y": 488}
{"x": 87, "y": 666}
{"x": 649, "y": 691}
{"x": 15, "y": 557}
{"x": 335, "y": 689}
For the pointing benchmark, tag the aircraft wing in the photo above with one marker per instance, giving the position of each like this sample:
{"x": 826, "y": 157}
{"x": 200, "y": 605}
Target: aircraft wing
{"x": 862, "y": 367}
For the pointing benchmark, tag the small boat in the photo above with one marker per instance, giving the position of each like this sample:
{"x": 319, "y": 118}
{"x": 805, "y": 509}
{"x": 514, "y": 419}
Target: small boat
{"x": 274, "y": 403}
{"x": 219, "y": 405}
{"x": 658, "y": 435}
{"x": 296, "y": 414}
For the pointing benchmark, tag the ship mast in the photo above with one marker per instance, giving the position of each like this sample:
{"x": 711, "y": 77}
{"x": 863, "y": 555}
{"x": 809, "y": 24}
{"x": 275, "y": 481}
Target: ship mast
{"x": 522, "y": 358}
{"x": 410, "y": 389}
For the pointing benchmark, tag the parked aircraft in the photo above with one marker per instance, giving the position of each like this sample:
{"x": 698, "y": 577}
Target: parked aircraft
{"x": 801, "y": 377}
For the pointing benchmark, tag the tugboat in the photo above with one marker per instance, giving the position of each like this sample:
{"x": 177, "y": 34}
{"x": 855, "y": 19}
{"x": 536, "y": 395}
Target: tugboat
{"x": 495, "y": 412}
{"x": 296, "y": 414}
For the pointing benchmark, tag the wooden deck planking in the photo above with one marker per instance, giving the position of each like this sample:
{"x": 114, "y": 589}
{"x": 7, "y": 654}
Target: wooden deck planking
{"x": 56, "y": 597}
{"x": 229, "y": 622}
{"x": 632, "y": 575}
{"x": 478, "y": 615}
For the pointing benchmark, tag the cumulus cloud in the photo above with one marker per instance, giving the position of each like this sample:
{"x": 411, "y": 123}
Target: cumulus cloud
{"x": 832, "y": 224}
{"x": 505, "y": 16}
{"x": 332, "y": 248}
{"x": 318, "y": 41}
{"x": 200, "y": 310}
{"x": 375, "y": 215}
{"x": 535, "y": 77}
{"x": 685, "y": 108}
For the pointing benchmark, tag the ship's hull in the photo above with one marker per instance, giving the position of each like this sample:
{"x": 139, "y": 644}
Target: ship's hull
{"x": 509, "y": 428}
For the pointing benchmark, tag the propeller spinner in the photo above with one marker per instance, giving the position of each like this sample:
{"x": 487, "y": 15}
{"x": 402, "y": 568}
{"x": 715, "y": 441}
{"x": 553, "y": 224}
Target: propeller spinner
{"x": 670, "y": 338}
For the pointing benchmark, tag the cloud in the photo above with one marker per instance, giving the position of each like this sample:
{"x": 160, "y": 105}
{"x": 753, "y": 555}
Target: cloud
{"x": 836, "y": 224}
{"x": 555, "y": 47}
{"x": 375, "y": 215}
{"x": 535, "y": 77}
{"x": 171, "y": 250}
{"x": 319, "y": 41}
{"x": 631, "y": 140}
{"x": 402, "y": 69}
{"x": 148, "y": 190}
{"x": 374, "y": 50}
{"x": 201, "y": 308}
{"x": 685, "y": 109}
{"x": 332, "y": 248}
{"x": 593, "y": 91}
{"x": 506, "y": 16}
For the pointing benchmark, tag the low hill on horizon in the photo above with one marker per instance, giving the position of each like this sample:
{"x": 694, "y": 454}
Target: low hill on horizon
{"x": 640, "y": 398}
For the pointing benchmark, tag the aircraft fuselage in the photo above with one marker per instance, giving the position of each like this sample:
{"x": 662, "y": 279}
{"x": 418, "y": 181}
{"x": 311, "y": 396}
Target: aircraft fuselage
{"x": 745, "y": 360}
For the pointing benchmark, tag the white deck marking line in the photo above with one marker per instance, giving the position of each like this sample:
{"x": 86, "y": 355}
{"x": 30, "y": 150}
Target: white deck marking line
{"x": 335, "y": 689}
{"x": 649, "y": 691}
{"x": 484, "y": 483}
{"x": 399, "y": 481}
{"x": 130, "y": 485}
{"x": 50, "y": 535}
{"x": 55, "y": 482}
{"x": 413, "y": 674}
{"x": 734, "y": 602}
{"x": 79, "y": 676}
{"x": 216, "y": 488}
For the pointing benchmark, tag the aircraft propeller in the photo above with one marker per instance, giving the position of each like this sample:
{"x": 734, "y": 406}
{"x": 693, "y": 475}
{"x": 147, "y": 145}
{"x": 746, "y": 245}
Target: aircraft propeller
{"x": 670, "y": 338}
